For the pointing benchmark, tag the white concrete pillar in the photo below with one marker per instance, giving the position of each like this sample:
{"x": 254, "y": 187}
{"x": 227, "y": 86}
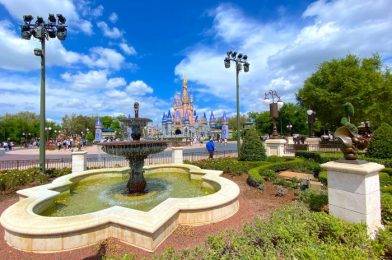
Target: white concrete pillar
{"x": 275, "y": 147}
{"x": 79, "y": 161}
{"x": 313, "y": 143}
{"x": 177, "y": 155}
{"x": 354, "y": 192}
{"x": 290, "y": 140}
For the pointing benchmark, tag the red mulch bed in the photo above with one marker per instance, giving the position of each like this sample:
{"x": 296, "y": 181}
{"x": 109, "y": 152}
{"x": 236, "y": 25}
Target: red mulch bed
{"x": 253, "y": 203}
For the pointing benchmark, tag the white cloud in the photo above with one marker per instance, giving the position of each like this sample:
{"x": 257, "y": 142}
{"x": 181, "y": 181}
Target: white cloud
{"x": 113, "y": 17}
{"x": 129, "y": 50}
{"x": 138, "y": 88}
{"x": 282, "y": 55}
{"x": 113, "y": 33}
{"x": 103, "y": 58}
{"x": 92, "y": 80}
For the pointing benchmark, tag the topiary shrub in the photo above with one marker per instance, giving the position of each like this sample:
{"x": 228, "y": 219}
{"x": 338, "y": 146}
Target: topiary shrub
{"x": 386, "y": 208}
{"x": 381, "y": 144}
{"x": 252, "y": 149}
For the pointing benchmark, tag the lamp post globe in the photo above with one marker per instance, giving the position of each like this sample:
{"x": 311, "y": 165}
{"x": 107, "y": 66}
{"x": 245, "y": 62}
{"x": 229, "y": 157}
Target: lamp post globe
{"x": 43, "y": 31}
{"x": 241, "y": 63}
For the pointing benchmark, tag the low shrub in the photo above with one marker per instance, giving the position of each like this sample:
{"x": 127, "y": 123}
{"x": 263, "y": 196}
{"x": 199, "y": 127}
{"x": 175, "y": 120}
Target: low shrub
{"x": 280, "y": 191}
{"x": 388, "y": 170}
{"x": 291, "y": 232}
{"x": 386, "y": 162}
{"x": 227, "y": 165}
{"x": 385, "y": 179}
{"x": 259, "y": 183}
{"x": 319, "y": 157}
{"x": 386, "y": 189}
{"x": 386, "y": 208}
{"x": 268, "y": 174}
{"x": 12, "y": 180}
{"x": 315, "y": 200}
{"x": 323, "y": 177}
{"x": 384, "y": 240}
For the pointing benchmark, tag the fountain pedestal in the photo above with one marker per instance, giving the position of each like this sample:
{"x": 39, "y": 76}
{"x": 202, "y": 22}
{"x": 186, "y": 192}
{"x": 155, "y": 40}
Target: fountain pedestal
{"x": 136, "y": 183}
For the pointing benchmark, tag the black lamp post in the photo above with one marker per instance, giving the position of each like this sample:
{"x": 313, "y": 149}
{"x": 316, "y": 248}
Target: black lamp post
{"x": 43, "y": 31}
{"x": 240, "y": 61}
{"x": 311, "y": 120}
{"x": 275, "y": 104}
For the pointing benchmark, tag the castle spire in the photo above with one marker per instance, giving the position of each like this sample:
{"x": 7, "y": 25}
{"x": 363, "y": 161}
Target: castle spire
{"x": 185, "y": 91}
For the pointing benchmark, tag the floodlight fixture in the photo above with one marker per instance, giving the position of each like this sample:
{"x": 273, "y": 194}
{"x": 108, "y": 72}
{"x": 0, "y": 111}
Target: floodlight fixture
{"x": 52, "y": 34}
{"x": 27, "y": 18}
{"x": 227, "y": 63}
{"x": 26, "y": 32}
{"x": 245, "y": 57}
{"x": 61, "y": 32}
{"x": 234, "y": 54}
{"x": 239, "y": 56}
{"x": 246, "y": 67}
{"x": 39, "y": 20}
{"x": 52, "y": 18}
{"x": 37, "y": 52}
{"x": 61, "y": 18}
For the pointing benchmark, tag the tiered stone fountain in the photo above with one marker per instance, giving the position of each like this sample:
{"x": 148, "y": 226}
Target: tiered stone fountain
{"x": 135, "y": 151}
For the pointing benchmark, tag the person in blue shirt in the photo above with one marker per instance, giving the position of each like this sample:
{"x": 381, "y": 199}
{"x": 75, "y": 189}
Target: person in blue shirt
{"x": 210, "y": 148}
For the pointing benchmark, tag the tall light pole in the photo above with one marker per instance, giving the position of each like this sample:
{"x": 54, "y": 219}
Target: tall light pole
{"x": 275, "y": 104}
{"x": 43, "y": 31}
{"x": 240, "y": 61}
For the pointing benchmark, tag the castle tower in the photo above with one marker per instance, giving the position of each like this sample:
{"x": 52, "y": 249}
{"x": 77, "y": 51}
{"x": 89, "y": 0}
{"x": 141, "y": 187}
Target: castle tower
{"x": 185, "y": 91}
{"x": 98, "y": 130}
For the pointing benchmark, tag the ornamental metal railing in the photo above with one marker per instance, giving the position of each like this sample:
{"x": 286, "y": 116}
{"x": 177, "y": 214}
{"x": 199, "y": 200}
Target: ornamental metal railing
{"x": 108, "y": 161}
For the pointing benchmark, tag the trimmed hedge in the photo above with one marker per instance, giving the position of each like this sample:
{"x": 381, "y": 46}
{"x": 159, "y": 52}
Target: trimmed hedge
{"x": 320, "y": 157}
{"x": 227, "y": 165}
{"x": 386, "y": 208}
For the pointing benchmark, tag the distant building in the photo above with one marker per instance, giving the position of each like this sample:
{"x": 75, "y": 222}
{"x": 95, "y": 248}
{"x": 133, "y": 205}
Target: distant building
{"x": 183, "y": 120}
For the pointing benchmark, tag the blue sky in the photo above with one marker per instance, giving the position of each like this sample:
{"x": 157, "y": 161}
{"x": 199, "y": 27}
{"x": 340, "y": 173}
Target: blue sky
{"x": 119, "y": 52}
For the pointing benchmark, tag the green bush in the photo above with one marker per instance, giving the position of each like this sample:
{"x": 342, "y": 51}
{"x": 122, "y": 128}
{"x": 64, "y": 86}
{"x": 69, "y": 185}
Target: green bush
{"x": 315, "y": 200}
{"x": 388, "y": 170}
{"x": 381, "y": 144}
{"x": 319, "y": 157}
{"x": 386, "y": 189}
{"x": 11, "y": 180}
{"x": 252, "y": 149}
{"x": 386, "y": 208}
{"x": 385, "y": 179}
{"x": 268, "y": 174}
{"x": 323, "y": 177}
{"x": 384, "y": 240}
{"x": 227, "y": 165}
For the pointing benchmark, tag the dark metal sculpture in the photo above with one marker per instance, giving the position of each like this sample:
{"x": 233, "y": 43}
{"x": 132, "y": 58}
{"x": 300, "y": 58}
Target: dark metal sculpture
{"x": 351, "y": 142}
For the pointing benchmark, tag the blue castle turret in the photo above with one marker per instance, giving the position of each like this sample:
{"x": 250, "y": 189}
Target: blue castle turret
{"x": 225, "y": 126}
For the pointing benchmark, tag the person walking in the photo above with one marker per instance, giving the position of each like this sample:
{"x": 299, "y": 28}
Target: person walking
{"x": 210, "y": 148}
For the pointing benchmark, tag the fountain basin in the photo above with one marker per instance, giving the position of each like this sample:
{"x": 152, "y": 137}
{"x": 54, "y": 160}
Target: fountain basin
{"x": 27, "y": 231}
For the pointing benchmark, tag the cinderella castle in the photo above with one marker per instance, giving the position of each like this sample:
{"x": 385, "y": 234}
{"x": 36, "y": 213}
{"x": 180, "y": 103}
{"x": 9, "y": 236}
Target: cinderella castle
{"x": 184, "y": 121}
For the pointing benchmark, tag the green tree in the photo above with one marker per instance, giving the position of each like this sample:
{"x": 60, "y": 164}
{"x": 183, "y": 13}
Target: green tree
{"x": 381, "y": 144}
{"x": 252, "y": 148}
{"x": 362, "y": 82}
{"x": 18, "y": 127}
{"x": 294, "y": 115}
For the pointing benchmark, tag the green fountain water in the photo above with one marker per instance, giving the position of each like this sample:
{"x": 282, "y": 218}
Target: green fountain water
{"x": 95, "y": 194}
